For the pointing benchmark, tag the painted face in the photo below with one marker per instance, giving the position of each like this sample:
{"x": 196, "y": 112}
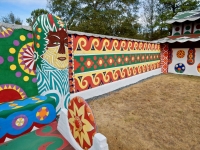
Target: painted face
{"x": 57, "y": 49}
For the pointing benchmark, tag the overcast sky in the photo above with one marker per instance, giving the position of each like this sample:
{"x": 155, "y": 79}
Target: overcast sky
{"x": 21, "y": 8}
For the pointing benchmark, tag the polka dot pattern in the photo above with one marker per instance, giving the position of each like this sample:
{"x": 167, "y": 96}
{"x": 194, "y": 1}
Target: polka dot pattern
{"x": 12, "y": 50}
{"x": 1, "y": 60}
{"x": 16, "y": 42}
{"x": 26, "y": 78}
{"x": 13, "y": 67}
{"x": 22, "y": 38}
{"x": 10, "y": 58}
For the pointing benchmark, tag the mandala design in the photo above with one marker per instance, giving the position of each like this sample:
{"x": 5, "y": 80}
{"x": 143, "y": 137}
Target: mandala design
{"x": 19, "y": 122}
{"x": 5, "y": 32}
{"x": 42, "y": 113}
{"x": 180, "y": 54}
{"x": 81, "y": 122}
{"x": 179, "y": 68}
{"x": 27, "y": 57}
{"x": 198, "y": 67}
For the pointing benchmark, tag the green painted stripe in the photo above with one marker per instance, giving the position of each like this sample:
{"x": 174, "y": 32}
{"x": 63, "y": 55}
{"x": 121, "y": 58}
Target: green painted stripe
{"x": 81, "y": 62}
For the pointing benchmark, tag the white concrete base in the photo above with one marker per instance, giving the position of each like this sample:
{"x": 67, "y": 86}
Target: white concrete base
{"x": 100, "y": 90}
{"x": 99, "y": 141}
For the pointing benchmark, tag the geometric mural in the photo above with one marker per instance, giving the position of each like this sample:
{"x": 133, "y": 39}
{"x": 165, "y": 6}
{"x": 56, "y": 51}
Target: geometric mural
{"x": 17, "y": 65}
{"x": 51, "y": 44}
{"x": 191, "y": 56}
{"x": 98, "y": 61}
{"x": 180, "y": 54}
{"x": 164, "y": 57}
{"x": 185, "y": 61}
{"x": 81, "y": 122}
{"x": 179, "y": 68}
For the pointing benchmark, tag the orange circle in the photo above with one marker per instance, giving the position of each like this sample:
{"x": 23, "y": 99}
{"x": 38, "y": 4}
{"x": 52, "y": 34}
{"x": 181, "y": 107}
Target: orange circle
{"x": 180, "y": 54}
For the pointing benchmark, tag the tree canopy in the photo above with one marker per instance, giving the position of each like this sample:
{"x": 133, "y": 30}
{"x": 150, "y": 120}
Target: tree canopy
{"x": 35, "y": 14}
{"x": 110, "y": 17}
{"x": 139, "y": 19}
{"x": 12, "y": 19}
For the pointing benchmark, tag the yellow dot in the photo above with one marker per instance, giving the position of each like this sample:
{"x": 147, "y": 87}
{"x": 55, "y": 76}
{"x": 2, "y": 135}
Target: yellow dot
{"x": 100, "y": 62}
{"x": 26, "y": 78}
{"x": 12, "y": 50}
{"x": 22, "y": 38}
{"x": 39, "y": 30}
{"x": 88, "y": 63}
{"x": 38, "y": 37}
{"x": 13, "y": 67}
{"x": 38, "y": 45}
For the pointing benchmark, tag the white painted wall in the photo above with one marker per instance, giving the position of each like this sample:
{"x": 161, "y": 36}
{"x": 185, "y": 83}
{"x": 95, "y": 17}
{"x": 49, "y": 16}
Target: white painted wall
{"x": 100, "y": 90}
{"x": 189, "y": 69}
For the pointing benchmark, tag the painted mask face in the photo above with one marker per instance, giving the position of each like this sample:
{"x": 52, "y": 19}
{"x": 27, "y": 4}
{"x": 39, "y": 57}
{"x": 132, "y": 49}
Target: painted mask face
{"x": 57, "y": 49}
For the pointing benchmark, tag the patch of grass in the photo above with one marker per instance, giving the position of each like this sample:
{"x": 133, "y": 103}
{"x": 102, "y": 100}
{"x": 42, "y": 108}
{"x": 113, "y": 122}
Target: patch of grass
{"x": 158, "y": 113}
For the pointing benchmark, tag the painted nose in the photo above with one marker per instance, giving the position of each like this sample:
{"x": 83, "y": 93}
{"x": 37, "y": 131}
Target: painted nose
{"x": 61, "y": 49}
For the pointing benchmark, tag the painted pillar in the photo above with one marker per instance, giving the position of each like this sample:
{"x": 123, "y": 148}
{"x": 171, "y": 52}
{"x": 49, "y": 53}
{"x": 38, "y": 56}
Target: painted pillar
{"x": 164, "y": 57}
{"x": 51, "y": 43}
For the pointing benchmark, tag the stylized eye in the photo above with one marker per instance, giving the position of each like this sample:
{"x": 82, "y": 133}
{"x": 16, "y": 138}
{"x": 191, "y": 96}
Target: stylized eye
{"x": 66, "y": 44}
{"x": 56, "y": 43}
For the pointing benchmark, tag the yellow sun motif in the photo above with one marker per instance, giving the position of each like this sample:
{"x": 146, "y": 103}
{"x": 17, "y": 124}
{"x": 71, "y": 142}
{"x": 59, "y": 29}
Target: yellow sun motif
{"x": 15, "y": 88}
{"x": 80, "y": 125}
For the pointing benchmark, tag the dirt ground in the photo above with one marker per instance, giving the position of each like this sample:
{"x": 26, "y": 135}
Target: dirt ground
{"x": 160, "y": 113}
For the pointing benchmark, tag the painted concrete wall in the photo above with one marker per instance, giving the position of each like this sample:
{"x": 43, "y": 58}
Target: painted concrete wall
{"x": 101, "y": 65}
{"x": 17, "y": 69}
{"x": 185, "y": 61}
{"x": 97, "y": 63}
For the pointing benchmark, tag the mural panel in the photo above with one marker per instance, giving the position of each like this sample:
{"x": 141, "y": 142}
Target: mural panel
{"x": 17, "y": 64}
{"x": 51, "y": 43}
{"x": 98, "y": 61}
{"x": 185, "y": 61}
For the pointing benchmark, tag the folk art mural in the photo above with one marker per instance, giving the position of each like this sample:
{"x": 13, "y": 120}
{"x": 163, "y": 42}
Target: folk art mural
{"x": 51, "y": 43}
{"x": 21, "y": 108}
{"x": 98, "y": 61}
{"x": 185, "y": 61}
{"x": 40, "y": 68}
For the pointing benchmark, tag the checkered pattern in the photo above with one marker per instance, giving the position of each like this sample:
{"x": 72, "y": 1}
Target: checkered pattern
{"x": 164, "y": 58}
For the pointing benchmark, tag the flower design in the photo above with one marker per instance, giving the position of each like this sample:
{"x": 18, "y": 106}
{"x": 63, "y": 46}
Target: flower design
{"x": 126, "y": 59}
{"x": 100, "y": 61}
{"x": 110, "y": 61}
{"x": 89, "y": 63}
{"x": 42, "y": 113}
{"x": 19, "y": 122}
{"x": 119, "y": 60}
{"x": 81, "y": 122}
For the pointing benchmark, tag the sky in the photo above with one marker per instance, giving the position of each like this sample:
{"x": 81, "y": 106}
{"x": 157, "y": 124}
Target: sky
{"x": 21, "y": 8}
